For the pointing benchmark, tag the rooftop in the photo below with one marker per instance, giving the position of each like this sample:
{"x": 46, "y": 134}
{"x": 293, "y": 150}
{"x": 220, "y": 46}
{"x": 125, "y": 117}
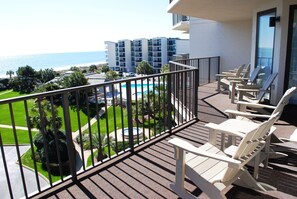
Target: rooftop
{"x": 149, "y": 171}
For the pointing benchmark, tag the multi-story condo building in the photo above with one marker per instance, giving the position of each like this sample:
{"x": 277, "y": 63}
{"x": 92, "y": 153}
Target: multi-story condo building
{"x": 124, "y": 55}
{"x": 157, "y": 51}
{"x": 111, "y": 55}
{"x": 262, "y": 33}
{"x": 139, "y": 51}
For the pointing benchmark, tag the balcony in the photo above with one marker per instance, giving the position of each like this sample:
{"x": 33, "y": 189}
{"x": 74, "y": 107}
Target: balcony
{"x": 146, "y": 166}
{"x": 215, "y": 10}
{"x": 181, "y": 23}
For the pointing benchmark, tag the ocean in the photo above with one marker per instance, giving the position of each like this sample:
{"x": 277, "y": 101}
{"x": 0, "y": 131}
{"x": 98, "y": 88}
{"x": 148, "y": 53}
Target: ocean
{"x": 56, "y": 61}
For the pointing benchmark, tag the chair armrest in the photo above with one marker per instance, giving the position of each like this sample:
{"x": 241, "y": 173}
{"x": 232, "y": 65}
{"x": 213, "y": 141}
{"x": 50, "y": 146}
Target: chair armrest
{"x": 184, "y": 145}
{"x": 224, "y": 130}
{"x": 248, "y": 86}
{"x": 255, "y": 105}
{"x": 239, "y": 78}
{"x": 247, "y": 89}
{"x": 245, "y": 114}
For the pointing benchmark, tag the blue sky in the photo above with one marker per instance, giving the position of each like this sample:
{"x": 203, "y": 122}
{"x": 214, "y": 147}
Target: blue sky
{"x": 40, "y": 26}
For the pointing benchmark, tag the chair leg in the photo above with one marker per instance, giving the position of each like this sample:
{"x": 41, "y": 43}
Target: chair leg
{"x": 246, "y": 180}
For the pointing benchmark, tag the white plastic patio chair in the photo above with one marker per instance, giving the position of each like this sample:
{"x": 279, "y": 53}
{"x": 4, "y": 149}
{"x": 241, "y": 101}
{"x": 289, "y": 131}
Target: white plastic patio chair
{"x": 252, "y": 93}
{"x": 223, "y": 77}
{"x": 212, "y": 169}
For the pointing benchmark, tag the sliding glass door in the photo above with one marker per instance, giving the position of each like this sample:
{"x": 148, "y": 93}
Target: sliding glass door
{"x": 265, "y": 43}
{"x": 291, "y": 69}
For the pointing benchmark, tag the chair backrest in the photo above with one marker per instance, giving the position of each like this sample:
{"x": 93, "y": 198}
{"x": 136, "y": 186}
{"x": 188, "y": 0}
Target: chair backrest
{"x": 239, "y": 70}
{"x": 246, "y": 71}
{"x": 250, "y": 145}
{"x": 254, "y": 74}
{"x": 284, "y": 101}
{"x": 266, "y": 86}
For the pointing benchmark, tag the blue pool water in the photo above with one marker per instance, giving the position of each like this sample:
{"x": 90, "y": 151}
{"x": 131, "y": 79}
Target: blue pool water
{"x": 139, "y": 86}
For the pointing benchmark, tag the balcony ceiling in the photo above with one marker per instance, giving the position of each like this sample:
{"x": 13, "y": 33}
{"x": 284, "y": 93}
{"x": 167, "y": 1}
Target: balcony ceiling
{"x": 217, "y": 10}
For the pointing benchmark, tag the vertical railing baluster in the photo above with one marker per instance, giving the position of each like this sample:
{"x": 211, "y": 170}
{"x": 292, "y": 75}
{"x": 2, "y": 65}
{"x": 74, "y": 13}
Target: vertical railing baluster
{"x": 142, "y": 104}
{"x": 17, "y": 149}
{"x": 114, "y": 118}
{"x": 122, "y": 117}
{"x": 209, "y": 64}
{"x": 45, "y": 143}
{"x": 196, "y": 93}
{"x": 70, "y": 145}
{"x": 98, "y": 121}
{"x": 165, "y": 90}
{"x": 136, "y": 109}
{"x": 31, "y": 144}
{"x": 154, "y": 106}
{"x": 106, "y": 121}
{"x": 148, "y": 105}
{"x": 56, "y": 137}
{"x": 129, "y": 116}
{"x": 89, "y": 126}
{"x": 159, "y": 103}
{"x": 169, "y": 104}
{"x": 77, "y": 99}
{"x": 5, "y": 167}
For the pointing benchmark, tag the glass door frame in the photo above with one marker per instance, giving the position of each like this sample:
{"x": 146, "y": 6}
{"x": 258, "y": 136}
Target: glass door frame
{"x": 259, "y": 14}
{"x": 289, "y": 46}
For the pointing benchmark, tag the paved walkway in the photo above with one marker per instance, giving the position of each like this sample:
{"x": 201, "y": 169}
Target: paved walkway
{"x": 15, "y": 174}
{"x": 17, "y": 127}
{"x": 6, "y": 92}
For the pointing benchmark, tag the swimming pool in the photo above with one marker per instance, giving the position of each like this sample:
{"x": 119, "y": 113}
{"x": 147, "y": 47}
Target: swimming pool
{"x": 126, "y": 132}
{"x": 139, "y": 86}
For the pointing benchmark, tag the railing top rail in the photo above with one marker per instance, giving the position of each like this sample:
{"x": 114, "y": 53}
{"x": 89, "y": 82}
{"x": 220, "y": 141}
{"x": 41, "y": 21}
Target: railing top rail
{"x": 85, "y": 87}
{"x": 197, "y": 58}
{"x": 183, "y": 65}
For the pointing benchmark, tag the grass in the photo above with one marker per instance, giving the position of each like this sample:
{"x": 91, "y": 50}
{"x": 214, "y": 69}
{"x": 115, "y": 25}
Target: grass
{"x": 22, "y": 135}
{"x": 111, "y": 124}
{"x": 27, "y": 160}
{"x": 89, "y": 160}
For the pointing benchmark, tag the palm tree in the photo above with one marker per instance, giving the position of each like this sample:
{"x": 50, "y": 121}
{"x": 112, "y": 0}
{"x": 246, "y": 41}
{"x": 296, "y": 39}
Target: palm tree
{"x": 10, "y": 73}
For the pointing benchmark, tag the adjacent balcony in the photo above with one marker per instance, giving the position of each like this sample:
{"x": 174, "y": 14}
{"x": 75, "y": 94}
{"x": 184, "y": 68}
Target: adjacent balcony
{"x": 115, "y": 137}
{"x": 181, "y": 23}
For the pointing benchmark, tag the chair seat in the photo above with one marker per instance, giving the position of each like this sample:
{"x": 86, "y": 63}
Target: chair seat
{"x": 209, "y": 169}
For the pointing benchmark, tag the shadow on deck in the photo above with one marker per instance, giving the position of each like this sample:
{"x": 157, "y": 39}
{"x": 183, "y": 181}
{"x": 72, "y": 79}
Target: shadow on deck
{"x": 149, "y": 171}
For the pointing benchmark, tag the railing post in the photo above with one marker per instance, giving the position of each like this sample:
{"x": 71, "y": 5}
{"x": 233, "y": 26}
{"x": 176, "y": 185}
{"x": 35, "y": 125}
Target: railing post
{"x": 196, "y": 84}
{"x": 70, "y": 145}
{"x": 129, "y": 116}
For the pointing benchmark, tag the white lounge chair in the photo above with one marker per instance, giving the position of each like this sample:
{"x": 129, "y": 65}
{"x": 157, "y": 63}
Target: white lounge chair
{"x": 223, "y": 77}
{"x": 252, "y": 93}
{"x": 212, "y": 169}
{"x": 242, "y": 81}
{"x": 279, "y": 144}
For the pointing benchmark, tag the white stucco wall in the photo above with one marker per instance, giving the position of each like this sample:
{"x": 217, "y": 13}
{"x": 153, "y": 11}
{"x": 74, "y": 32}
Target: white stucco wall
{"x": 182, "y": 46}
{"x": 229, "y": 40}
{"x": 280, "y": 43}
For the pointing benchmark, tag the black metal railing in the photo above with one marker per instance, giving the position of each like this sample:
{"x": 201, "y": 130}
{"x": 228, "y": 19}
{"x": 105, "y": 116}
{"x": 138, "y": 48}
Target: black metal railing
{"x": 71, "y": 130}
{"x": 208, "y": 67}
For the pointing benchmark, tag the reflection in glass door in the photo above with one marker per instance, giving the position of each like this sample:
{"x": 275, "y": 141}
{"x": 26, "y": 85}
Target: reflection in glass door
{"x": 291, "y": 70}
{"x": 265, "y": 44}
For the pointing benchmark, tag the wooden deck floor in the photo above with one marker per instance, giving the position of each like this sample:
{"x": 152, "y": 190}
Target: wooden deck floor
{"x": 149, "y": 172}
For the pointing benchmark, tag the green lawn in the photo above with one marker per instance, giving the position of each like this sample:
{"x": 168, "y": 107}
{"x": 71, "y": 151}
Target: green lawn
{"x": 111, "y": 124}
{"x": 8, "y": 136}
{"x": 27, "y": 160}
